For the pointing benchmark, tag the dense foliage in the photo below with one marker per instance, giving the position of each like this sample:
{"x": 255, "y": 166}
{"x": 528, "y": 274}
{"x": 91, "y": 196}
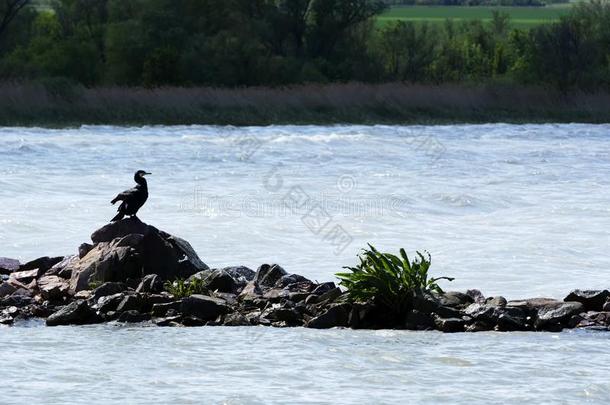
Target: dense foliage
{"x": 389, "y": 280}
{"x": 277, "y": 42}
{"x": 185, "y": 288}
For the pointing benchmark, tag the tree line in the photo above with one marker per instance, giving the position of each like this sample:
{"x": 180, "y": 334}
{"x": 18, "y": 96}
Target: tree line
{"x": 230, "y": 43}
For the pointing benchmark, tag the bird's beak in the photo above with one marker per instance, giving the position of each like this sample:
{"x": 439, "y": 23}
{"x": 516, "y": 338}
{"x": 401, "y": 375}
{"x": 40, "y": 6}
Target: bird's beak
{"x": 146, "y": 173}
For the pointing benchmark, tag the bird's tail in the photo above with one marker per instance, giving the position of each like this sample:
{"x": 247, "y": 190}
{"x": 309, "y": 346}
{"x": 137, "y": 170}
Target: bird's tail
{"x": 118, "y": 217}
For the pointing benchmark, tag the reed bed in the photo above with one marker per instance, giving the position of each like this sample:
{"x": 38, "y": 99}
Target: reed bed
{"x": 58, "y": 104}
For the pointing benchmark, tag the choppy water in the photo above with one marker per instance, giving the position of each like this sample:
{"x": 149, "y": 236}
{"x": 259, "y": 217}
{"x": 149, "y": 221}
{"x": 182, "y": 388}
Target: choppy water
{"x": 518, "y": 210}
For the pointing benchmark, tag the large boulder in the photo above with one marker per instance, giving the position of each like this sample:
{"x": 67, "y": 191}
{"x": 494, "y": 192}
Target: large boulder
{"x": 593, "y": 300}
{"x": 42, "y": 263}
{"x": 75, "y": 313}
{"x": 53, "y": 287}
{"x": 130, "y": 249}
{"x": 216, "y": 280}
{"x": 553, "y": 316}
{"x": 203, "y": 307}
{"x": 8, "y": 265}
{"x": 269, "y": 274}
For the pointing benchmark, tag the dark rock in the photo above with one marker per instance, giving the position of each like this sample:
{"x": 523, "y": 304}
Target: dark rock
{"x": 63, "y": 269}
{"x": 8, "y": 265}
{"x": 606, "y": 306}
{"x": 130, "y": 303}
{"x": 26, "y": 276}
{"x": 250, "y": 292}
{"x": 130, "y": 249}
{"x": 593, "y": 300}
{"x": 53, "y": 287}
{"x": 476, "y": 295}
{"x": 334, "y": 316}
{"x": 151, "y": 283}
{"x": 478, "y": 327}
{"x": 241, "y": 274}
{"x": 496, "y": 301}
{"x": 276, "y": 295}
{"x": 191, "y": 320}
{"x": 168, "y": 321}
{"x": 203, "y": 307}
{"x": 329, "y": 296}
{"x": 312, "y": 299}
{"x": 133, "y": 316}
{"x": 449, "y": 325}
{"x": 236, "y": 319}
{"x": 283, "y": 314}
{"x": 454, "y": 299}
{"x": 297, "y": 296}
{"x": 217, "y": 280}
{"x": 417, "y": 320}
{"x": 42, "y": 264}
{"x": 6, "y": 289}
{"x": 19, "y": 301}
{"x": 429, "y": 303}
{"x": 323, "y": 288}
{"x": 109, "y": 303}
{"x": 108, "y": 288}
{"x": 288, "y": 279}
{"x": 75, "y": 313}
{"x": 163, "y": 309}
{"x": 83, "y": 249}
{"x": 6, "y": 319}
{"x": 229, "y": 298}
{"x": 556, "y": 313}
{"x": 267, "y": 275}
{"x": 508, "y": 323}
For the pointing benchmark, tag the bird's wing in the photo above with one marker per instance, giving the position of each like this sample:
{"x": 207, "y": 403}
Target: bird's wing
{"x": 125, "y": 195}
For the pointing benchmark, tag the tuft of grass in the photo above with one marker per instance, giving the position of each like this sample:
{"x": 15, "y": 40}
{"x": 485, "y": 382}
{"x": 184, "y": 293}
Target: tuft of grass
{"x": 183, "y": 288}
{"x": 389, "y": 280}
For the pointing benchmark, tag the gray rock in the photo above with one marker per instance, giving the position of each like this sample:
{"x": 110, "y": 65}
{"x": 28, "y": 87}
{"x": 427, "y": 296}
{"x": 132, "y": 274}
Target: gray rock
{"x": 334, "y": 316}
{"x": 62, "y": 269}
{"x": 553, "y": 314}
{"x": 109, "y": 303}
{"x": 236, "y": 319}
{"x": 284, "y": 314}
{"x": 312, "y": 299}
{"x": 203, "y": 307}
{"x": 83, "y": 249}
{"x": 151, "y": 283}
{"x": 8, "y": 265}
{"x": 130, "y": 303}
{"x": 75, "y": 313}
{"x": 250, "y": 292}
{"x": 329, "y": 296}
{"x": 449, "y": 325}
{"x": 276, "y": 294}
{"x": 297, "y": 296}
{"x": 496, "y": 301}
{"x": 42, "y": 264}
{"x": 6, "y": 289}
{"x": 133, "y": 316}
{"x": 606, "y": 306}
{"x": 289, "y": 279}
{"x": 130, "y": 249}
{"x": 324, "y": 287}
{"x": 454, "y": 299}
{"x": 267, "y": 275}
{"x": 108, "y": 288}
{"x": 241, "y": 274}
{"x": 417, "y": 320}
{"x": 26, "y": 276}
{"x": 476, "y": 295}
{"x": 593, "y": 300}
{"x": 162, "y": 309}
{"x": 217, "y": 280}
{"x": 53, "y": 287}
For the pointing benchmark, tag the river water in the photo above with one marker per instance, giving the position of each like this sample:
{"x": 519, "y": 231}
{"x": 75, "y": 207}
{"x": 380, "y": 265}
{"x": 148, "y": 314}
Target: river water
{"x": 517, "y": 210}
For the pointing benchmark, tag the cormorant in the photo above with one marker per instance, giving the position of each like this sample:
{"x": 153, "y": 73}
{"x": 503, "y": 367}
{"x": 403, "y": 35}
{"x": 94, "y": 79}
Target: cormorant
{"x": 133, "y": 199}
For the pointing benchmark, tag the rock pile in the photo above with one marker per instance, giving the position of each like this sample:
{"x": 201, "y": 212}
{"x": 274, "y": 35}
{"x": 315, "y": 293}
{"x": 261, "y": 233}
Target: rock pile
{"x": 121, "y": 277}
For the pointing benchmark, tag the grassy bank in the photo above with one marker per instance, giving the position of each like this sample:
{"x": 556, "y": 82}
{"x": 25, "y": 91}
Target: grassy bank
{"x": 520, "y": 17}
{"x": 58, "y": 106}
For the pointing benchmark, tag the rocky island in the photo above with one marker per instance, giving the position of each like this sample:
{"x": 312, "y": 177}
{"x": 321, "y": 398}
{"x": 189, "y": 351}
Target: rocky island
{"x": 132, "y": 272}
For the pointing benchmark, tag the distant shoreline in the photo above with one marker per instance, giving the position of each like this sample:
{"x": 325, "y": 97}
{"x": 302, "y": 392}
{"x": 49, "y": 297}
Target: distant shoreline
{"x": 57, "y": 104}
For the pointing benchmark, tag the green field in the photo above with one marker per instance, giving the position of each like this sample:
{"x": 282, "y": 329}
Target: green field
{"x": 521, "y": 17}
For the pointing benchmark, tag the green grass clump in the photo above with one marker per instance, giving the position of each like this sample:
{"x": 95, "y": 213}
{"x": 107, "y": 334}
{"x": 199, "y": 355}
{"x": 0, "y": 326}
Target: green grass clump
{"x": 389, "y": 280}
{"x": 184, "y": 288}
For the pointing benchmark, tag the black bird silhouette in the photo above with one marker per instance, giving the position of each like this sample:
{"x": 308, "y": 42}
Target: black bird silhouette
{"x": 133, "y": 199}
